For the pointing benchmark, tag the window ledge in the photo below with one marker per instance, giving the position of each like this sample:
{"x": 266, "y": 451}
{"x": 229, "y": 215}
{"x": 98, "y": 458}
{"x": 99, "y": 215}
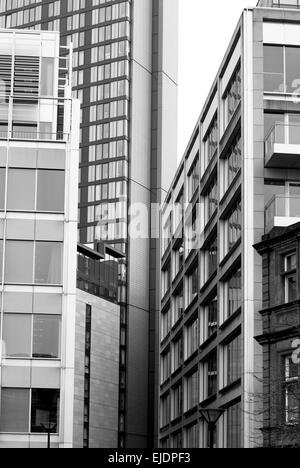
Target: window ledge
{"x": 231, "y": 318}
{"x": 231, "y": 386}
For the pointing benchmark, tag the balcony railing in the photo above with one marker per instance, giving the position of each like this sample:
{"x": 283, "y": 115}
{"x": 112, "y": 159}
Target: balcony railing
{"x": 41, "y": 119}
{"x": 282, "y": 211}
{"x": 282, "y": 146}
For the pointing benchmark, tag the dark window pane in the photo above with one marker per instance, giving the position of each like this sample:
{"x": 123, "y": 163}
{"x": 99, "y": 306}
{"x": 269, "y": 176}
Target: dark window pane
{"x": 21, "y": 190}
{"x": 51, "y": 190}
{"x": 46, "y": 336}
{"x": 21, "y": 254}
{"x": 48, "y": 263}
{"x": 17, "y": 335}
{"x": 44, "y": 410}
{"x": 14, "y": 410}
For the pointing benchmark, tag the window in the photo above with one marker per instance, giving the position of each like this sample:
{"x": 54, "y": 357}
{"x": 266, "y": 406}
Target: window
{"x": 290, "y": 277}
{"x": 165, "y": 409}
{"x": 192, "y": 285}
{"x": 22, "y": 187}
{"x": 212, "y": 374}
{"x": 50, "y": 191}
{"x": 14, "y": 410}
{"x": 167, "y": 233}
{"x": 44, "y": 410}
{"x": 165, "y": 323}
{"x": 232, "y": 97}
{"x": 192, "y": 436}
{"x": 21, "y": 254}
{"x": 232, "y": 163}
{"x": 292, "y": 391}
{"x": 192, "y": 338}
{"x": 192, "y": 229}
{"x": 177, "y": 306}
{"x": 211, "y": 201}
{"x": 233, "y": 360}
{"x": 177, "y": 354}
{"x": 18, "y": 417}
{"x": 192, "y": 390}
{"x": 179, "y": 210}
{"x": 194, "y": 177}
{"x": 178, "y": 258}
{"x": 212, "y": 317}
{"x": 177, "y": 402}
{"x": 2, "y": 186}
{"x": 166, "y": 279}
{"x": 31, "y": 336}
{"x": 211, "y": 141}
{"x": 165, "y": 366}
{"x": 234, "y": 429}
{"x": 281, "y": 69}
{"x": 211, "y": 258}
{"x": 232, "y": 228}
{"x": 233, "y": 294}
{"x": 21, "y": 190}
{"x": 48, "y": 263}
{"x": 177, "y": 441}
{"x": 46, "y": 336}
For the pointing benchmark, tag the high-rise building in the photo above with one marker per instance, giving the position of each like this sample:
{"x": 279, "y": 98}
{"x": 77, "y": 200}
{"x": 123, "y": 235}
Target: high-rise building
{"x": 241, "y": 167}
{"x": 125, "y": 74}
{"x": 39, "y": 154}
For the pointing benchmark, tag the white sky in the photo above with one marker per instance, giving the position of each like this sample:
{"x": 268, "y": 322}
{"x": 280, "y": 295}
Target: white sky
{"x": 205, "y": 29}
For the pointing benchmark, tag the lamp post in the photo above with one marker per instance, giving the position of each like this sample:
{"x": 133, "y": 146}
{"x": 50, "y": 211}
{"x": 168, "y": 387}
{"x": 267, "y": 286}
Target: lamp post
{"x": 48, "y": 429}
{"x": 211, "y": 417}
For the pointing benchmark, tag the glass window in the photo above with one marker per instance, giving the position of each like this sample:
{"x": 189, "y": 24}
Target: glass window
{"x": 192, "y": 391}
{"x": 211, "y": 258}
{"x": 234, "y": 428}
{"x": 211, "y": 200}
{"x": 292, "y": 63}
{"x": 177, "y": 354}
{"x": 192, "y": 338}
{"x": 21, "y": 190}
{"x": 291, "y": 391}
{"x": 234, "y": 360}
{"x": 14, "y": 410}
{"x": 17, "y": 336}
{"x": 192, "y": 284}
{"x": 212, "y": 317}
{"x": 290, "y": 277}
{"x": 165, "y": 323}
{"x": 273, "y": 69}
{"x": 212, "y": 374}
{"x": 50, "y": 190}
{"x": 46, "y": 336}
{"x": 177, "y": 402}
{"x": 232, "y": 97}
{"x": 48, "y": 263}
{"x": 21, "y": 254}
{"x": 44, "y": 410}
{"x": 234, "y": 291}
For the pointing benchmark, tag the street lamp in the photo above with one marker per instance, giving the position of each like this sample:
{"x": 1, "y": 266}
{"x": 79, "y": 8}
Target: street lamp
{"x": 211, "y": 417}
{"x": 48, "y": 429}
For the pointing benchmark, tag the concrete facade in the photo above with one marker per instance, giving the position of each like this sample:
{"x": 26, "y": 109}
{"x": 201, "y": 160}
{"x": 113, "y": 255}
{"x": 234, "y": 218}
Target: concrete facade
{"x": 104, "y": 373}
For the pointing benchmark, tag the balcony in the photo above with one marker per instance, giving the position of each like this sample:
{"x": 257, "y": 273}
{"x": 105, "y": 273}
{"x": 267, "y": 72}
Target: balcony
{"x": 282, "y": 211}
{"x": 282, "y": 147}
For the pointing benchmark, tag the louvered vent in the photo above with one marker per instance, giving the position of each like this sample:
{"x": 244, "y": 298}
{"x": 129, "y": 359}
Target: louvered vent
{"x": 26, "y": 78}
{"x": 5, "y": 74}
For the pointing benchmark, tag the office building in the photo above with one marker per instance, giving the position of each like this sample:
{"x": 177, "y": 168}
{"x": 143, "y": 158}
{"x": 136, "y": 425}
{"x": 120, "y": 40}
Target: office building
{"x": 125, "y": 74}
{"x": 39, "y": 153}
{"x": 97, "y": 342}
{"x": 281, "y": 330}
{"x": 243, "y": 152}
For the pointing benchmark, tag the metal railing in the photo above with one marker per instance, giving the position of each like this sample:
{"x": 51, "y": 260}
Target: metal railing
{"x": 17, "y": 113}
{"x": 281, "y": 206}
